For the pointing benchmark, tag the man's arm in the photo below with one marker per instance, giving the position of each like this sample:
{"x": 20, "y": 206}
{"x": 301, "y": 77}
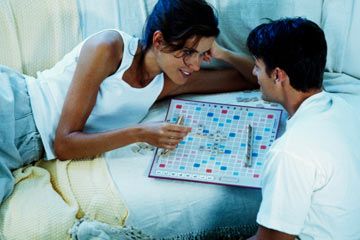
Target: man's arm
{"x": 264, "y": 233}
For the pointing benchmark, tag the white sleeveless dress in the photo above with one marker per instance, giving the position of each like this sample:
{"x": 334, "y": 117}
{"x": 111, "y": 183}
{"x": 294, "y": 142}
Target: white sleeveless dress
{"x": 118, "y": 105}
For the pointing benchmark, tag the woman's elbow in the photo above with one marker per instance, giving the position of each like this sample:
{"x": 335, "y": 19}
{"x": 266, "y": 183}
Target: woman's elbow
{"x": 61, "y": 149}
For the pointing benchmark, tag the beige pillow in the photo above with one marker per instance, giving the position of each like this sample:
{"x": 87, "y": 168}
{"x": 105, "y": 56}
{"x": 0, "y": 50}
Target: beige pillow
{"x": 35, "y": 34}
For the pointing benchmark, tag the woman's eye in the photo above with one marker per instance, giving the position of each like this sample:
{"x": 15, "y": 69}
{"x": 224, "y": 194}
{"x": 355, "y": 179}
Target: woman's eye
{"x": 188, "y": 52}
{"x": 205, "y": 54}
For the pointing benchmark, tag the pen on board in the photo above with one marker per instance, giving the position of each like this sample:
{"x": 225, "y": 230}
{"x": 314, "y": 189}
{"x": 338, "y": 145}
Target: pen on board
{"x": 180, "y": 121}
{"x": 248, "y": 162}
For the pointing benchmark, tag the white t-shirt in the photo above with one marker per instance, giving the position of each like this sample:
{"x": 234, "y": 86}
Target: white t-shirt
{"x": 118, "y": 105}
{"x": 312, "y": 173}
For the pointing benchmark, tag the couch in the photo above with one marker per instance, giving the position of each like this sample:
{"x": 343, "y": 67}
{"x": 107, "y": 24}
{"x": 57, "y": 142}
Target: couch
{"x": 35, "y": 34}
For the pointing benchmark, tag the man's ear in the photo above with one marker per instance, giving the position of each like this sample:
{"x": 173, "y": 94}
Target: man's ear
{"x": 158, "y": 40}
{"x": 280, "y": 75}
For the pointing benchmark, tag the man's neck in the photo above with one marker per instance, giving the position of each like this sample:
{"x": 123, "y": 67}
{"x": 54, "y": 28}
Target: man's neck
{"x": 293, "y": 99}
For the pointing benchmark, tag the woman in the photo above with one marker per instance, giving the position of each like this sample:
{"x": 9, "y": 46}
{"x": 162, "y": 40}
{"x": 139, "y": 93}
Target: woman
{"x": 92, "y": 100}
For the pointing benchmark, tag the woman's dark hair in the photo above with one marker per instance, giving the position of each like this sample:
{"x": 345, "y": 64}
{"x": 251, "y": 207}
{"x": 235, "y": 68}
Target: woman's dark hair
{"x": 179, "y": 20}
{"x": 296, "y": 45}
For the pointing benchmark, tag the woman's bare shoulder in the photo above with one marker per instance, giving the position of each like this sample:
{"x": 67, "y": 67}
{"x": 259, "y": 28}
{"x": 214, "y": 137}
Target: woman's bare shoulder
{"x": 106, "y": 46}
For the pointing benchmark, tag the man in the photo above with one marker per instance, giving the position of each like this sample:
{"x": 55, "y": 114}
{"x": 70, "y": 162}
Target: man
{"x": 312, "y": 173}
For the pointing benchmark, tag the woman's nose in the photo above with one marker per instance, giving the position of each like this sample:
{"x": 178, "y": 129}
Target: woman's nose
{"x": 195, "y": 62}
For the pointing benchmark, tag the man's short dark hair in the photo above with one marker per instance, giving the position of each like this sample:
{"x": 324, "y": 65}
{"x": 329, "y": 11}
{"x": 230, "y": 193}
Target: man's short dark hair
{"x": 296, "y": 45}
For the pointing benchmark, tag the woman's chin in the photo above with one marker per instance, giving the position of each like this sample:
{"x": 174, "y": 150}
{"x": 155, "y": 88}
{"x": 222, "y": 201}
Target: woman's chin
{"x": 182, "y": 79}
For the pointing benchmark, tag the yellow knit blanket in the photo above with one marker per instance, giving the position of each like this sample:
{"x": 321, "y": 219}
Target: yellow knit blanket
{"x": 48, "y": 199}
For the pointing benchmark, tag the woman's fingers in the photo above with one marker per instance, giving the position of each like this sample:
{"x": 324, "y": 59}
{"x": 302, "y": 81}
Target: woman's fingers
{"x": 171, "y": 140}
{"x": 168, "y": 146}
{"x": 166, "y": 135}
{"x": 175, "y": 136}
{"x": 178, "y": 128}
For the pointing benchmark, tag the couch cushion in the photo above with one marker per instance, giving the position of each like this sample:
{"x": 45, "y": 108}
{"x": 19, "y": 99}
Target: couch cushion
{"x": 343, "y": 73}
{"x": 9, "y": 47}
{"x": 352, "y": 50}
{"x": 127, "y": 15}
{"x": 238, "y": 18}
{"x": 39, "y": 47}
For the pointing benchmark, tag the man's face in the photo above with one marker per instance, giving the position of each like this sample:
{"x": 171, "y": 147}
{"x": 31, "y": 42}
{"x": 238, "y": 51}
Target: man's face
{"x": 267, "y": 83}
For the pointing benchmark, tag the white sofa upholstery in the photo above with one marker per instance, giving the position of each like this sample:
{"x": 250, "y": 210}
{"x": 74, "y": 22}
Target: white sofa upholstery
{"x": 237, "y": 18}
{"x": 36, "y": 34}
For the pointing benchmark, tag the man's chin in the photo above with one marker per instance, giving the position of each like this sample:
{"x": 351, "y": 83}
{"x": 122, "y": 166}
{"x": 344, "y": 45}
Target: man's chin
{"x": 267, "y": 99}
{"x": 264, "y": 97}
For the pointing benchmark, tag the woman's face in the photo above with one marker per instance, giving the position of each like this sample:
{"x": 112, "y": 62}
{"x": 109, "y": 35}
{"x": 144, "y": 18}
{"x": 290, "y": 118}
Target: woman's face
{"x": 179, "y": 65}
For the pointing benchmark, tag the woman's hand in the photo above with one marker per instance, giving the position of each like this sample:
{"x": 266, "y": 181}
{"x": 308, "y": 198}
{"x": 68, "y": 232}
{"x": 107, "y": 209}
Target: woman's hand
{"x": 240, "y": 61}
{"x": 162, "y": 134}
{"x": 216, "y": 52}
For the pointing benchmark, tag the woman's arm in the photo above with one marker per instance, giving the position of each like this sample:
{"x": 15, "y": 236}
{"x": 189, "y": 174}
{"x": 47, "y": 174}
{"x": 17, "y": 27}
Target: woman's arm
{"x": 264, "y": 233}
{"x": 100, "y": 57}
{"x": 238, "y": 78}
{"x": 209, "y": 81}
{"x": 241, "y": 63}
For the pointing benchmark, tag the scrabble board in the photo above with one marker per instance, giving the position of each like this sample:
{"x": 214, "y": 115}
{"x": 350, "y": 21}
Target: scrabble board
{"x": 215, "y": 150}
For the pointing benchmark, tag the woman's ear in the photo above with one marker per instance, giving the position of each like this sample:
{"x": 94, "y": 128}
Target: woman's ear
{"x": 158, "y": 39}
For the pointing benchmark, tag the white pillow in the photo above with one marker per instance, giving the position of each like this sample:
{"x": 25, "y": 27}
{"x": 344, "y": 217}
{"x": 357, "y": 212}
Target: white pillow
{"x": 238, "y": 18}
{"x": 352, "y": 51}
